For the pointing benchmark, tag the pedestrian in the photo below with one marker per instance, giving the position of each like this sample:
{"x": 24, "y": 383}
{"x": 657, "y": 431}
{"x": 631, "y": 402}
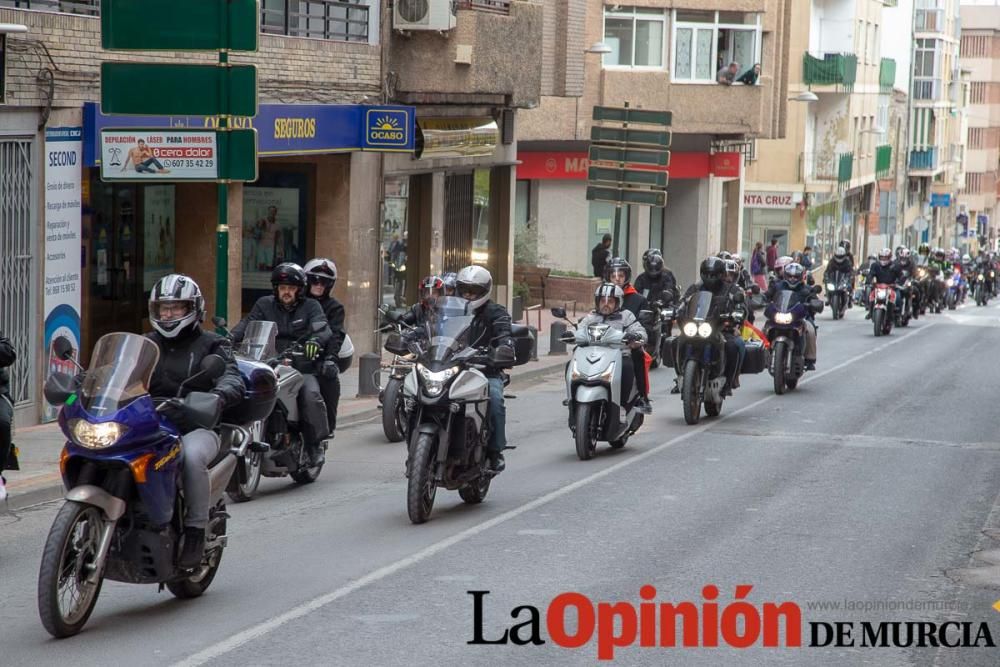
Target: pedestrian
{"x": 758, "y": 265}
{"x": 600, "y": 255}
{"x": 807, "y": 258}
{"x": 727, "y": 75}
{"x": 772, "y": 253}
{"x": 7, "y": 358}
{"x": 750, "y": 77}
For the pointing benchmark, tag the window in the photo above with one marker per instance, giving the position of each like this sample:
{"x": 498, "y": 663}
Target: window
{"x": 3, "y": 68}
{"x": 705, "y": 42}
{"x": 927, "y": 69}
{"x": 635, "y": 35}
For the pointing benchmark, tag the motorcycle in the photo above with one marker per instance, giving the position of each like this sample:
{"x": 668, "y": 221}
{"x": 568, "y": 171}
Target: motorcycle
{"x": 838, "y": 290}
{"x": 659, "y": 328}
{"x": 448, "y": 426}
{"x": 601, "y": 392}
{"x": 785, "y": 330}
{"x": 953, "y": 289}
{"x": 701, "y": 358}
{"x": 980, "y": 291}
{"x": 922, "y": 289}
{"x": 905, "y": 307}
{"x": 883, "y": 305}
{"x": 390, "y": 397}
{"x": 123, "y": 516}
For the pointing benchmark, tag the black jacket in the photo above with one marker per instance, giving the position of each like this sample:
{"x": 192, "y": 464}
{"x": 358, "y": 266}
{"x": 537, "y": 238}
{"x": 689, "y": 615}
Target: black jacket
{"x": 7, "y": 358}
{"x": 904, "y": 270}
{"x": 334, "y": 311}
{"x": 663, "y": 286}
{"x": 634, "y": 301}
{"x": 292, "y": 324}
{"x": 803, "y": 292}
{"x": 726, "y": 298}
{"x": 598, "y": 258}
{"x": 181, "y": 357}
{"x": 879, "y": 274}
{"x": 834, "y": 266}
{"x": 491, "y": 328}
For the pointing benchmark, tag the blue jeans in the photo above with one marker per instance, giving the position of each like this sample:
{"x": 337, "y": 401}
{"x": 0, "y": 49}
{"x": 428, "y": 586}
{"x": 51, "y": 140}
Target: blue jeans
{"x": 497, "y": 416}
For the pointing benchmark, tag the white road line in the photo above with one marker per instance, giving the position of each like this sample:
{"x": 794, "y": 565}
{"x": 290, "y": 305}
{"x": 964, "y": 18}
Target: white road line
{"x": 236, "y": 641}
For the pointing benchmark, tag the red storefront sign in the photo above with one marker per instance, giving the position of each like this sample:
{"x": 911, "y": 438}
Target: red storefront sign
{"x": 570, "y": 165}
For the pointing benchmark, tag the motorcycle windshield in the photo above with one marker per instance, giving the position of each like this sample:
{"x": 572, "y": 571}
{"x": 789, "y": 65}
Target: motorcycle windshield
{"x": 258, "y": 341}
{"x": 448, "y": 326}
{"x": 785, "y": 300}
{"x": 699, "y": 306}
{"x": 120, "y": 369}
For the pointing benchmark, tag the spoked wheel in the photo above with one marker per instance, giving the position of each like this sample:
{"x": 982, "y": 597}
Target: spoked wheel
{"x": 241, "y": 492}
{"x": 691, "y": 392}
{"x": 196, "y": 584}
{"x": 475, "y": 491}
{"x": 393, "y": 415}
{"x": 779, "y": 360}
{"x": 588, "y": 418}
{"x": 422, "y": 487}
{"x": 305, "y": 475}
{"x": 65, "y": 596}
{"x": 878, "y": 321}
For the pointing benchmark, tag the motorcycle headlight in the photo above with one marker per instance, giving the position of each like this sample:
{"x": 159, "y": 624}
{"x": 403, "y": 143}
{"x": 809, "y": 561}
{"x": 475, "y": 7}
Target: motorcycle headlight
{"x": 704, "y": 329}
{"x": 831, "y": 287}
{"x": 980, "y": 276}
{"x": 575, "y": 373}
{"x": 96, "y": 436}
{"x": 880, "y": 293}
{"x": 597, "y": 331}
{"x": 950, "y": 282}
{"x": 690, "y": 329}
{"x": 783, "y": 318}
{"x": 434, "y": 381}
{"x": 607, "y": 375}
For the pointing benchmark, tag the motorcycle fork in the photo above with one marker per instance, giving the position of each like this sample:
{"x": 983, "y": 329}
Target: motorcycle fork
{"x": 107, "y": 532}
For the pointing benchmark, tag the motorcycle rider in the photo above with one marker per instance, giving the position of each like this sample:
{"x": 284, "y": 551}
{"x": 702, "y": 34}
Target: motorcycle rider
{"x": 839, "y": 265}
{"x": 942, "y": 269}
{"x": 608, "y": 301}
{"x": 297, "y": 318}
{"x": 906, "y": 269}
{"x": 490, "y": 328}
{"x": 984, "y": 265}
{"x": 882, "y": 272}
{"x": 321, "y": 275}
{"x": 726, "y": 298}
{"x": 176, "y": 311}
{"x": 7, "y": 358}
{"x": 657, "y": 282}
{"x": 431, "y": 288}
{"x": 619, "y": 272}
{"x": 793, "y": 281}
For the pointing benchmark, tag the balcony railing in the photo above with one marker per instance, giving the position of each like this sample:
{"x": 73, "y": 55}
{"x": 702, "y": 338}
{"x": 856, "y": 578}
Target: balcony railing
{"x": 845, "y": 167}
{"x": 887, "y": 74}
{"x": 839, "y": 69}
{"x": 883, "y": 160}
{"x": 493, "y": 6}
{"x": 85, "y": 7}
{"x": 826, "y": 167}
{"x": 925, "y": 160}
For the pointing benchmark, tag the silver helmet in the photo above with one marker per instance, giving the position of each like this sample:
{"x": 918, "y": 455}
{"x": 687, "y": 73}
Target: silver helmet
{"x": 474, "y": 284}
{"x": 175, "y": 305}
{"x": 321, "y": 271}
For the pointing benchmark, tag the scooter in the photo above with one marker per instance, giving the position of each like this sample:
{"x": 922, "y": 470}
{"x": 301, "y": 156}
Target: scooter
{"x": 601, "y": 390}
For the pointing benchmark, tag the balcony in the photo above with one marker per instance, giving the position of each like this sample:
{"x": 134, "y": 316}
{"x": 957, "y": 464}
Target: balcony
{"x": 826, "y": 167}
{"x": 890, "y": 3}
{"x": 925, "y": 160}
{"x": 926, "y": 89}
{"x": 887, "y": 74}
{"x": 929, "y": 20}
{"x": 836, "y": 69}
{"x": 845, "y": 167}
{"x": 883, "y": 161}
{"x": 495, "y": 6}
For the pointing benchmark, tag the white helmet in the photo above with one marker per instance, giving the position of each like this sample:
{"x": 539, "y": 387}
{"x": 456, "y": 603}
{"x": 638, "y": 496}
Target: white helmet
{"x": 176, "y": 289}
{"x": 321, "y": 271}
{"x": 476, "y": 282}
{"x": 840, "y": 252}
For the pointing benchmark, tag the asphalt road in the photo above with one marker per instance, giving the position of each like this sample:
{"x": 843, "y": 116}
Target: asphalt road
{"x": 876, "y": 482}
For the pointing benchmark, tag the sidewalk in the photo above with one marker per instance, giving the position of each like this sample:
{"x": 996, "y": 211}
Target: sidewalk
{"x": 39, "y": 480}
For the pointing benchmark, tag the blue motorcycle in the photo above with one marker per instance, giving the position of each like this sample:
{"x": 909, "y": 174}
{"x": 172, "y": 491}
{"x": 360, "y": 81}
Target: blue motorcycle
{"x": 121, "y": 466}
{"x": 954, "y": 287}
{"x": 785, "y": 331}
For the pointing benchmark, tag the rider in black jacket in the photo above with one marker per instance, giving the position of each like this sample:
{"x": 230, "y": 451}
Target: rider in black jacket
{"x": 657, "y": 282}
{"x": 726, "y": 298}
{"x": 7, "y": 358}
{"x": 321, "y": 274}
{"x": 882, "y": 272}
{"x": 619, "y": 272}
{"x": 793, "y": 280}
{"x": 176, "y": 310}
{"x": 297, "y": 319}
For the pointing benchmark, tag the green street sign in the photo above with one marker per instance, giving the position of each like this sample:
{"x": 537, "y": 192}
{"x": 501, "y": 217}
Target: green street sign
{"x": 178, "y": 154}
{"x": 619, "y": 135}
{"x": 154, "y": 89}
{"x": 180, "y": 25}
{"x": 655, "y": 179}
{"x": 630, "y": 115}
{"x": 619, "y": 196}
{"x": 629, "y": 155}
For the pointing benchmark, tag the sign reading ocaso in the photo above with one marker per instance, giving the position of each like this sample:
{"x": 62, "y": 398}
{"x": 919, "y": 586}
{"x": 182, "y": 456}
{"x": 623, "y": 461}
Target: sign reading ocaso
{"x": 778, "y": 200}
{"x": 159, "y": 155}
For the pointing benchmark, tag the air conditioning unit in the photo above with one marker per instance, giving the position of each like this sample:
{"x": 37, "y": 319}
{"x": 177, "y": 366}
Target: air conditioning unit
{"x": 423, "y": 14}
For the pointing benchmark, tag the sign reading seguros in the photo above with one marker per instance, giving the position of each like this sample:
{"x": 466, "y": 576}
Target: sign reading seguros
{"x": 388, "y": 129}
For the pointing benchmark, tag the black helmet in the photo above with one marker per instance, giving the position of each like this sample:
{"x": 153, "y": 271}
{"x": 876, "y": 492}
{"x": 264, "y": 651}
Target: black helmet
{"x": 713, "y": 270}
{"x": 321, "y": 271}
{"x": 793, "y": 273}
{"x": 846, "y": 245}
{"x": 653, "y": 265}
{"x": 289, "y": 273}
{"x": 650, "y": 251}
{"x": 618, "y": 265}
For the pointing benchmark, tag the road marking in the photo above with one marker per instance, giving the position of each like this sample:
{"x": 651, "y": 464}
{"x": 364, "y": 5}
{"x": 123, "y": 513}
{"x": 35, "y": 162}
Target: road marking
{"x": 265, "y": 627}
{"x": 539, "y": 531}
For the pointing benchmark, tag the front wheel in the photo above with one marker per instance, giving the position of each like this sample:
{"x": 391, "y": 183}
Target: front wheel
{"x": 951, "y": 300}
{"x": 835, "y": 305}
{"x": 587, "y": 424}
{"x": 691, "y": 393}
{"x": 65, "y": 596}
{"x": 878, "y": 321}
{"x": 393, "y": 414}
{"x": 422, "y": 487}
{"x": 779, "y": 361}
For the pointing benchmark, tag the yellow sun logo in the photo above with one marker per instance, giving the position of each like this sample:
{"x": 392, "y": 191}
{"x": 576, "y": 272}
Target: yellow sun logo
{"x": 386, "y": 123}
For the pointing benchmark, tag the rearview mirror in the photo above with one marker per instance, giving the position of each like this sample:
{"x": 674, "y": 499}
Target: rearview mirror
{"x": 394, "y": 343}
{"x": 645, "y": 316}
{"x": 213, "y": 366}
{"x": 58, "y": 388}
{"x": 219, "y": 321}
{"x": 63, "y": 349}
{"x": 559, "y": 312}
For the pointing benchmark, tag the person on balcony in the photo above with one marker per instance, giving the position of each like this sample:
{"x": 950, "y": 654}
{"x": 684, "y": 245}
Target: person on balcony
{"x": 750, "y": 76}
{"x": 727, "y": 75}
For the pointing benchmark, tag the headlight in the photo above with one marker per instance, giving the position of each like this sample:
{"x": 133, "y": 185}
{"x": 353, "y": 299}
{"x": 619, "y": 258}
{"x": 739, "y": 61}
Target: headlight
{"x": 880, "y": 293}
{"x": 434, "y": 381}
{"x": 96, "y": 436}
{"x": 949, "y": 282}
{"x": 690, "y": 329}
{"x": 597, "y": 331}
{"x": 607, "y": 375}
{"x": 831, "y": 287}
{"x": 704, "y": 329}
{"x": 980, "y": 276}
{"x": 783, "y": 318}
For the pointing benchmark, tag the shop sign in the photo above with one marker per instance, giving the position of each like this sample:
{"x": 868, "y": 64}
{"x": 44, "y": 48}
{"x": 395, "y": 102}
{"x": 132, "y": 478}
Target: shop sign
{"x": 572, "y": 165}
{"x": 457, "y": 137}
{"x": 772, "y": 200}
{"x": 176, "y": 155}
{"x": 61, "y": 301}
{"x": 940, "y": 200}
{"x": 387, "y": 129}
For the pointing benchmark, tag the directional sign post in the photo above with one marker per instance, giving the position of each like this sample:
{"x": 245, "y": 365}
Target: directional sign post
{"x": 158, "y": 89}
{"x": 628, "y": 165}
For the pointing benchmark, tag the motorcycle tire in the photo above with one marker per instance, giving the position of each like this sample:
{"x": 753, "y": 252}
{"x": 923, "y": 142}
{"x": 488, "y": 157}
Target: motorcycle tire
{"x": 61, "y": 544}
{"x": 198, "y": 583}
{"x": 951, "y": 301}
{"x": 393, "y": 415}
{"x": 421, "y": 487}
{"x": 779, "y": 360}
{"x": 791, "y": 384}
{"x": 475, "y": 491}
{"x": 835, "y": 305}
{"x": 713, "y": 409}
{"x": 878, "y": 321}
{"x": 691, "y": 392}
{"x": 585, "y": 434}
{"x": 241, "y": 492}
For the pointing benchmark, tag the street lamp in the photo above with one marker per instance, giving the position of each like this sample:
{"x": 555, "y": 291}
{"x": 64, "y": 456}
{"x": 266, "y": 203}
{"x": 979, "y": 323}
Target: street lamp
{"x": 804, "y": 96}
{"x": 7, "y": 28}
{"x": 600, "y": 48}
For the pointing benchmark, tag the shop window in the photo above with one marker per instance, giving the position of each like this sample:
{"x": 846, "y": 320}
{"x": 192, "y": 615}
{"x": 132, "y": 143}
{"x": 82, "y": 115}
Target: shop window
{"x": 656, "y": 225}
{"x": 602, "y": 221}
{"x": 481, "y": 218}
{"x": 394, "y": 241}
{"x": 635, "y": 36}
{"x": 707, "y": 41}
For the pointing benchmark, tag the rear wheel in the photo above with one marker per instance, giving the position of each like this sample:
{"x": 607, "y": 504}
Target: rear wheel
{"x": 422, "y": 487}
{"x": 393, "y": 415}
{"x": 241, "y": 492}
{"x": 878, "y": 321}
{"x": 587, "y": 424}
{"x": 198, "y": 583}
{"x": 691, "y": 393}
{"x": 791, "y": 384}
{"x": 779, "y": 359}
{"x": 475, "y": 491}
{"x": 713, "y": 409}
{"x": 305, "y": 475}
